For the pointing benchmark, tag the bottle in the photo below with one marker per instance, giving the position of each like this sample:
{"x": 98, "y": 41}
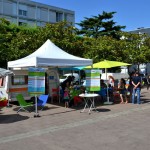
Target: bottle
{"x": 85, "y": 92}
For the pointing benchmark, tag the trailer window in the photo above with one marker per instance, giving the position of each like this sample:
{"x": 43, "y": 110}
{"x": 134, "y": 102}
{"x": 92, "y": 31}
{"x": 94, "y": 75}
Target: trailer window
{"x": 1, "y": 82}
{"x": 19, "y": 80}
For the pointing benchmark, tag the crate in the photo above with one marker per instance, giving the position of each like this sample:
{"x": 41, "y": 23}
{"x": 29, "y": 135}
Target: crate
{"x": 3, "y": 103}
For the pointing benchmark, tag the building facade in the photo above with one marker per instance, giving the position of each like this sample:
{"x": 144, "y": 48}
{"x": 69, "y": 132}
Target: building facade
{"x": 141, "y": 30}
{"x": 33, "y": 13}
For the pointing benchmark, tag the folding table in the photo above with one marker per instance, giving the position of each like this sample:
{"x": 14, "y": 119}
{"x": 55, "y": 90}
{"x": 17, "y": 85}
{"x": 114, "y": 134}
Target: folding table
{"x": 89, "y": 97}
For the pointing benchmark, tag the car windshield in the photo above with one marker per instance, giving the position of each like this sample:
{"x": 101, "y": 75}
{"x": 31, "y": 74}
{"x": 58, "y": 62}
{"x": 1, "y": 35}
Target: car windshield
{"x": 63, "y": 77}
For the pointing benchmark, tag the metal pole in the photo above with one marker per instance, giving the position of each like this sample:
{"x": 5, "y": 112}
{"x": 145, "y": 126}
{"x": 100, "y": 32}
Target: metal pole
{"x": 36, "y": 111}
{"x": 108, "y": 102}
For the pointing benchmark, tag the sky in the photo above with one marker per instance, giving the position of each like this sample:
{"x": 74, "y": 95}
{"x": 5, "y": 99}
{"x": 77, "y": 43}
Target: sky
{"x": 130, "y": 13}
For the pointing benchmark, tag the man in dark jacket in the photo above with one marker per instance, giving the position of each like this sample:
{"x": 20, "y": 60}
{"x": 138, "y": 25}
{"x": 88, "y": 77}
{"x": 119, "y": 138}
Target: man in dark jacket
{"x": 136, "y": 82}
{"x": 130, "y": 87}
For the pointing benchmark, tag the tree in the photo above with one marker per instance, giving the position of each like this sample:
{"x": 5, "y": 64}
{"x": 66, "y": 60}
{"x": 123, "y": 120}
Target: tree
{"x": 19, "y": 41}
{"x": 136, "y": 48}
{"x": 103, "y": 48}
{"x": 100, "y": 25}
{"x": 13, "y": 41}
{"x": 6, "y": 34}
{"x": 125, "y": 50}
{"x": 147, "y": 53}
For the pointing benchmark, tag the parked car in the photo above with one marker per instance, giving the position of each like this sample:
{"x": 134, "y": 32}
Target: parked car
{"x": 65, "y": 76}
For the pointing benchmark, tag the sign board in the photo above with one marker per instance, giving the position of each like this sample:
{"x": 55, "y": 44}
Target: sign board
{"x": 36, "y": 81}
{"x": 93, "y": 80}
{"x": 53, "y": 79}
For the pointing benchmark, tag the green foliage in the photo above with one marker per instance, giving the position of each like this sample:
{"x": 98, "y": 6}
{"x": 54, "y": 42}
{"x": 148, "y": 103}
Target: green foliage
{"x": 19, "y": 41}
{"x": 136, "y": 48}
{"x": 132, "y": 49}
{"x": 13, "y": 41}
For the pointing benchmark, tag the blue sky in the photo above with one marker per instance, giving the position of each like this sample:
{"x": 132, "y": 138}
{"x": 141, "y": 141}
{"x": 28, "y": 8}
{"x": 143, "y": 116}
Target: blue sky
{"x": 130, "y": 13}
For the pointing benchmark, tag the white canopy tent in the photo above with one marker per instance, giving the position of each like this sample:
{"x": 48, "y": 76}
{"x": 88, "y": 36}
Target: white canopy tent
{"x": 49, "y": 55}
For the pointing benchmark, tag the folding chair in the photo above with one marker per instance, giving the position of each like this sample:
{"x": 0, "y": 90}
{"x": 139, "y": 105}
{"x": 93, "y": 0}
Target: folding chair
{"x": 23, "y": 104}
{"x": 42, "y": 100}
{"x": 103, "y": 94}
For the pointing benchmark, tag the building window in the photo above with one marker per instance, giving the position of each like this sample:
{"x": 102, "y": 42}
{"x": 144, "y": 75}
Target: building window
{"x": 22, "y": 12}
{"x": 59, "y": 17}
{"x": 1, "y": 82}
{"x": 65, "y": 17}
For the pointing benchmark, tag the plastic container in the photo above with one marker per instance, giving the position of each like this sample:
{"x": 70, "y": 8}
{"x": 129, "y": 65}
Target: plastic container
{"x": 3, "y": 103}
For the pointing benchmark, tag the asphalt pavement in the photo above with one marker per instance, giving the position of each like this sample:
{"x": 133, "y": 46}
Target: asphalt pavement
{"x": 111, "y": 127}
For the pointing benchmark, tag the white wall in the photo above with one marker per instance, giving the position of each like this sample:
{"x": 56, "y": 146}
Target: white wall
{"x": 31, "y": 12}
{"x": 44, "y": 14}
{"x": 117, "y": 76}
{"x": 52, "y": 16}
{"x": 8, "y": 7}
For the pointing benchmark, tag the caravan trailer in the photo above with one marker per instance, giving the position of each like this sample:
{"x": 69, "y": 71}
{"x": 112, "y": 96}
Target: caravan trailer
{"x": 11, "y": 86}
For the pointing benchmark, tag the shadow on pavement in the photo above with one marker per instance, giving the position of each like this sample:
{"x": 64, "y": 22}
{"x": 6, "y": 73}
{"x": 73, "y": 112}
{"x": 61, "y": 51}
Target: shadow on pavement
{"x": 10, "y": 118}
{"x": 145, "y": 92}
{"x": 145, "y": 100}
{"x": 62, "y": 112}
{"x": 32, "y": 108}
{"x": 102, "y": 109}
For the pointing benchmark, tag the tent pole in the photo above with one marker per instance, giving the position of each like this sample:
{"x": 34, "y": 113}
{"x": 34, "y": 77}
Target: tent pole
{"x": 107, "y": 85}
{"x": 36, "y": 111}
{"x": 79, "y": 77}
{"x": 107, "y": 102}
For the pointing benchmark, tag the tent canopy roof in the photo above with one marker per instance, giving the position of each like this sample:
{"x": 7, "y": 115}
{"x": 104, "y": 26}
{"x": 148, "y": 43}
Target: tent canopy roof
{"x": 49, "y": 55}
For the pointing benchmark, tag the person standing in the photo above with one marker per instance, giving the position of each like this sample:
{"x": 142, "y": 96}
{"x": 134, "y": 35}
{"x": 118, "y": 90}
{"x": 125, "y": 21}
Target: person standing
{"x": 148, "y": 82}
{"x": 111, "y": 81}
{"x": 67, "y": 95}
{"x": 111, "y": 84}
{"x": 123, "y": 91}
{"x": 130, "y": 87}
{"x": 136, "y": 82}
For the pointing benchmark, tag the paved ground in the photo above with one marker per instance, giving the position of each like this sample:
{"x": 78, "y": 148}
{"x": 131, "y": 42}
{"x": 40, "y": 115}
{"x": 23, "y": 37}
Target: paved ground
{"x": 113, "y": 127}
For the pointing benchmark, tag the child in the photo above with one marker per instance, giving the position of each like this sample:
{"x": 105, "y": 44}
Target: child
{"x": 66, "y": 96}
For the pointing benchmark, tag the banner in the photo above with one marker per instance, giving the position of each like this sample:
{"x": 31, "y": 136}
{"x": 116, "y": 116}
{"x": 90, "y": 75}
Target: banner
{"x": 93, "y": 80}
{"x": 53, "y": 79}
{"x": 36, "y": 81}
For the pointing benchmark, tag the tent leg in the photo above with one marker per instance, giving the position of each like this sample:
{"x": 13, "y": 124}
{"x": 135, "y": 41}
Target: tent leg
{"x": 8, "y": 104}
{"x": 36, "y": 111}
{"x": 107, "y": 102}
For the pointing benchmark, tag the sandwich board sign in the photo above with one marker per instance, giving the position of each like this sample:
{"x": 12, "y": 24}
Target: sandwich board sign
{"x": 36, "y": 81}
{"x": 93, "y": 79}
